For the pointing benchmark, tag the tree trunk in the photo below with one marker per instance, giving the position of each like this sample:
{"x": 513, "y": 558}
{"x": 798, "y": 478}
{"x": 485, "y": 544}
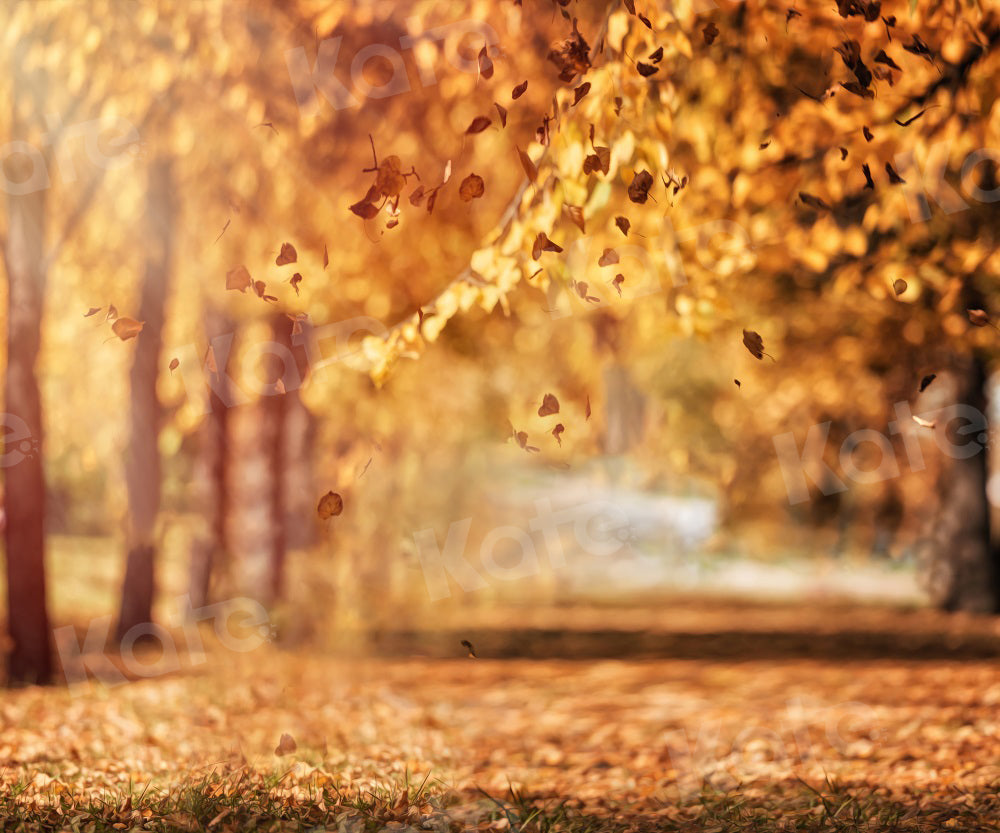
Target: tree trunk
{"x": 960, "y": 561}
{"x": 30, "y": 659}
{"x": 142, "y": 461}
{"x": 210, "y": 551}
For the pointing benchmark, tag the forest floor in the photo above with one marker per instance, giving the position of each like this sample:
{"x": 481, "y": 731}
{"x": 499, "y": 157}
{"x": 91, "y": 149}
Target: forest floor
{"x": 712, "y": 718}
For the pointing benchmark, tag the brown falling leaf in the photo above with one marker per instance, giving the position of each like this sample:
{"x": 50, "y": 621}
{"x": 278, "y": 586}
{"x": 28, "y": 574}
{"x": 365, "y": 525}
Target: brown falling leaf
{"x": 126, "y": 328}
{"x": 549, "y": 406}
{"x": 586, "y": 411}
{"x": 478, "y": 125}
{"x": 468, "y": 646}
{"x": 646, "y": 70}
{"x": 330, "y": 505}
{"x": 883, "y": 58}
{"x": 326, "y": 257}
{"x": 899, "y": 286}
{"x": 295, "y": 280}
{"x": 813, "y": 202}
{"x": 894, "y": 178}
{"x": 930, "y": 377}
{"x": 286, "y": 745}
{"x": 755, "y": 344}
{"x": 608, "y": 258}
{"x": 472, "y": 188}
{"x": 286, "y": 255}
{"x": 571, "y": 56}
{"x": 557, "y": 432}
{"x": 543, "y": 244}
{"x": 112, "y": 313}
{"x": 530, "y": 170}
{"x": 978, "y": 317}
{"x": 911, "y": 119}
{"x": 580, "y": 92}
{"x": 623, "y": 224}
{"x": 389, "y": 179}
{"x": 656, "y": 56}
{"x": 638, "y": 191}
{"x": 519, "y": 90}
{"x": 617, "y": 283}
{"x": 503, "y": 114}
{"x": 599, "y": 160}
{"x": 869, "y": 182}
{"x": 485, "y": 64}
{"x": 521, "y": 437}
{"x": 174, "y": 364}
{"x": 238, "y": 278}
{"x": 92, "y": 311}
{"x": 867, "y": 133}
{"x": 575, "y": 213}
{"x": 710, "y": 32}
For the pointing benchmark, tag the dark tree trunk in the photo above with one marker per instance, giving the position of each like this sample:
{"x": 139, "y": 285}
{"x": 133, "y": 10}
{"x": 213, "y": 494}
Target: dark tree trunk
{"x": 960, "y": 560}
{"x": 212, "y": 551}
{"x": 30, "y": 659}
{"x": 142, "y": 461}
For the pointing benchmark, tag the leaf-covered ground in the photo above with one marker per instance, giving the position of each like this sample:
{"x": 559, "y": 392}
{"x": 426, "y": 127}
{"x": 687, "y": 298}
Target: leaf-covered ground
{"x": 898, "y": 733}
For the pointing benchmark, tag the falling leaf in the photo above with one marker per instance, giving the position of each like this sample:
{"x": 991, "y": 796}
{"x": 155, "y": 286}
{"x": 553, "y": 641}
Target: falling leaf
{"x": 580, "y": 92}
{"x": 646, "y": 70}
{"x": 521, "y": 437}
{"x": 843, "y": 154}
{"x": 599, "y": 160}
{"x": 869, "y": 182}
{"x": 755, "y": 344}
{"x": 112, "y": 313}
{"x": 92, "y": 311}
{"x": 174, "y": 364}
{"x": 737, "y": 383}
{"x": 586, "y": 412}
{"x": 899, "y": 286}
{"x": 223, "y": 231}
{"x": 479, "y": 124}
{"x": 609, "y": 257}
{"x": 472, "y": 188}
{"x": 918, "y": 47}
{"x": 295, "y": 280}
{"x": 571, "y": 56}
{"x": 286, "y": 745}
{"x": 529, "y": 167}
{"x": 519, "y": 90}
{"x": 978, "y": 317}
{"x": 813, "y": 202}
{"x": 365, "y": 208}
{"x": 468, "y": 646}
{"x": 623, "y": 224}
{"x": 485, "y": 64}
{"x": 326, "y": 257}
{"x": 638, "y": 191}
{"x": 557, "y": 432}
{"x": 926, "y": 381}
{"x": 287, "y": 255}
{"x": 710, "y": 32}
{"x": 576, "y": 215}
{"x": 389, "y": 179}
{"x": 617, "y": 283}
{"x": 883, "y": 58}
{"x": 503, "y": 114}
{"x": 656, "y": 56}
{"x": 543, "y": 244}
{"x": 910, "y": 120}
{"x": 330, "y": 505}
{"x": 238, "y": 278}
{"x": 894, "y": 178}
{"x": 550, "y": 405}
{"x": 126, "y": 328}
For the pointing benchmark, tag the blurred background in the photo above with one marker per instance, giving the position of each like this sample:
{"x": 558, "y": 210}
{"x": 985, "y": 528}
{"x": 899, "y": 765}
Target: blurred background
{"x": 401, "y": 360}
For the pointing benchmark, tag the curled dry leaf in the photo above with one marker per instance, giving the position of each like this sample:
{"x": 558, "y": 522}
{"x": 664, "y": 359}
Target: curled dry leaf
{"x": 755, "y": 344}
{"x": 978, "y": 317}
{"x": 295, "y": 280}
{"x": 646, "y": 70}
{"x": 580, "y": 92}
{"x": 710, "y": 32}
{"x": 638, "y": 191}
{"x": 899, "y": 286}
{"x": 930, "y": 377}
{"x": 286, "y": 745}
{"x": 478, "y": 125}
{"x": 623, "y": 224}
{"x": 286, "y": 255}
{"x": 543, "y": 244}
{"x": 519, "y": 90}
{"x": 617, "y": 283}
{"x": 468, "y": 646}
{"x": 503, "y": 114}
{"x": 330, "y": 505}
{"x": 126, "y": 328}
{"x": 576, "y": 215}
{"x": 472, "y": 188}
{"x": 239, "y": 279}
{"x": 485, "y": 64}
{"x": 608, "y": 258}
{"x": 549, "y": 406}
{"x": 92, "y": 311}
{"x": 557, "y": 432}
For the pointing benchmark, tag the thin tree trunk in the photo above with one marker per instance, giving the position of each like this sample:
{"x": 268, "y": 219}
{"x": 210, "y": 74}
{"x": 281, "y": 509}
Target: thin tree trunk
{"x": 211, "y": 551}
{"x": 142, "y": 462}
{"x": 960, "y": 561}
{"x": 30, "y": 659}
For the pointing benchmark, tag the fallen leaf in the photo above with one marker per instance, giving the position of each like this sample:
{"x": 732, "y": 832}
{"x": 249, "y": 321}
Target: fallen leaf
{"x": 529, "y": 167}
{"x": 576, "y": 215}
{"x": 479, "y": 124}
{"x": 503, "y": 114}
{"x": 558, "y": 431}
{"x": 755, "y": 344}
{"x": 899, "y": 286}
{"x": 710, "y": 32}
{"x": 472, "y": 188}
{"x": 519, "y": 90}
{"x": 617, "y": 283}
{"x": 286, "y": 745}
{"x": 92, "y": 311}
{"x": 126, "y": 328}
{"x": 468, "y": 646}
{"x": 608, "y": 258}
{"x": 623, "y": 225}
{"x": 543, "y": 244}
{"x": 485, "y": 64}
{"x": 295, "y": 280}
{"x": 926, "y": 381}
{"x": 580, "y": 92}
{"x": 638, "y": 191}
